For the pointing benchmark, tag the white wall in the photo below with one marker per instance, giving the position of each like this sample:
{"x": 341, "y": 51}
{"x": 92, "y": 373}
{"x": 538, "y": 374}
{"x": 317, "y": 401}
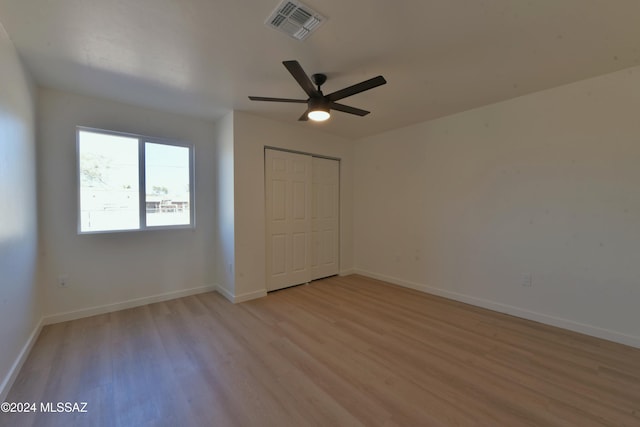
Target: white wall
{"x": 117, "y": 268}
{"x": 547, "y": 184}
{"x": 251, "y": 135}
{"x": 224, "y": 212}
{"x": 20, "y": 309}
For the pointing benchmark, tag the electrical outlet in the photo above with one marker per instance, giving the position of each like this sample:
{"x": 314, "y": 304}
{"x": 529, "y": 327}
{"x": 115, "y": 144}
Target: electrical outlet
{"x": 63, "y": 280}
{"x": 527, "y": 280}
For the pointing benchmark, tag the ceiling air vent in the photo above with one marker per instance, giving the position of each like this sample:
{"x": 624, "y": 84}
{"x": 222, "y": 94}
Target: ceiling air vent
{"x": 295, "y": 19}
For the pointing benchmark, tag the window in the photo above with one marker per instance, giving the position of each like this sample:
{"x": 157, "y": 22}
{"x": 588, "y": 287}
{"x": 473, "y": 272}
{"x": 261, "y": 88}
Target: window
{"x": 133, "y": 182}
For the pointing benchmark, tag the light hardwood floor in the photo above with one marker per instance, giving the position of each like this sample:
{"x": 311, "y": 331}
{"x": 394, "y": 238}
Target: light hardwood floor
{"x": 339, "y": 352}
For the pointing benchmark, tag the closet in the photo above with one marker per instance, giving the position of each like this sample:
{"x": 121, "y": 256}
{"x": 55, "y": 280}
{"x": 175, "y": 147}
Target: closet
{"x": 302, "y": 217}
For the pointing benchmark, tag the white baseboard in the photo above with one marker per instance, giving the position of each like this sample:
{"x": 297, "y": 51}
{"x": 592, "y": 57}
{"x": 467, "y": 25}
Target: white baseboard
{"x": 251, "y": 295}
{"x": 225, "y": 293}
{"x": 242, "y": 297}
{"x": 347, "y": 272}
{"x": 136, "y": 302}
{"x": 11, "y": 376}
{"x": 582, "y": 328}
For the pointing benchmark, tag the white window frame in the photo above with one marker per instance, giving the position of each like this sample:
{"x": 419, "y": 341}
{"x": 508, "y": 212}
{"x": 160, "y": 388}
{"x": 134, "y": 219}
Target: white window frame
{"x": 142, "y": 139}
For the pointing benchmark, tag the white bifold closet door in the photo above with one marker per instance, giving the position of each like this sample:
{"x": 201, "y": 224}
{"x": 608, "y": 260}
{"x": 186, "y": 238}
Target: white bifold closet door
{"x": 325, "y": 219}
{"x": 302, "y": 218}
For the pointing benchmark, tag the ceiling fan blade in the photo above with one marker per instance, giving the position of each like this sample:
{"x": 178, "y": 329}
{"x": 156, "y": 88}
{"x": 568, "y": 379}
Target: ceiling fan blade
{"x": 304, "y": 117}
{"x": 348, "y": 109}
{"x": 301, "y": 77}
{"x": 262, "y": 98}
{"x": 357, "y": 88}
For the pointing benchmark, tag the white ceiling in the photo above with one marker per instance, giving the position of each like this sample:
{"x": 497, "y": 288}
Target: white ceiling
{"x": 204, "y": 57}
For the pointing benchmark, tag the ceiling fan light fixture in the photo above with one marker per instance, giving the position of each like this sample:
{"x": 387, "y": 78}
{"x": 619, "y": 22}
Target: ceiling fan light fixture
{"x": 318, "y": 115}
{"x": 318, "y": 110}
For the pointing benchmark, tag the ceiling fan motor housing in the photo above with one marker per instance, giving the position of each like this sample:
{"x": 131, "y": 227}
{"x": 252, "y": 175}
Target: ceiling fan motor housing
{"x": 316, "y": 104}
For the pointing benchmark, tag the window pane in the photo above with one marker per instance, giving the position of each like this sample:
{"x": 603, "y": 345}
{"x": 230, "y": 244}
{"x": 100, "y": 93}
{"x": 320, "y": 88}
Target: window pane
{"x": 167, "y": 185}
{"x": 109, "y": 189}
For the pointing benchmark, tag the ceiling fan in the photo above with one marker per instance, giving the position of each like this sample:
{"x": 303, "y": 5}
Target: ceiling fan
{"x": 318, "y": 104}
